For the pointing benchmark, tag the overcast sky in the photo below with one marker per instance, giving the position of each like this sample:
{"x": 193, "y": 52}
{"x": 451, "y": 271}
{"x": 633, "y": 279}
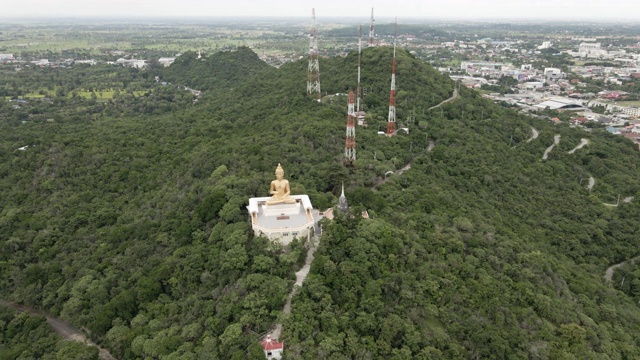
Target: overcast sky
{"x": 464, "y": 9}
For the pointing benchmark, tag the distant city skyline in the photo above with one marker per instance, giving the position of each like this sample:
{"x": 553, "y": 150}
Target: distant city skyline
{"x": 409, "y": 9}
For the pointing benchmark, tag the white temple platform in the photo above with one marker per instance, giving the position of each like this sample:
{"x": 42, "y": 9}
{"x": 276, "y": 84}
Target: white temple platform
{"x": 282, "y": 222}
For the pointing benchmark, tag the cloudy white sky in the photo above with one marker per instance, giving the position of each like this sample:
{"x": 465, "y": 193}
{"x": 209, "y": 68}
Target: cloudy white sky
{"x": 463, "y": 9}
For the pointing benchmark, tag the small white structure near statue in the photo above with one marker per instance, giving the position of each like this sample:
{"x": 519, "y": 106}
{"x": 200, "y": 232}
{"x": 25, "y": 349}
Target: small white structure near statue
{"x": 282, "y": 216}
{"x": 272, "y": 348}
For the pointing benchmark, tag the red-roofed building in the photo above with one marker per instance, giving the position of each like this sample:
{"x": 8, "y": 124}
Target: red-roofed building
{"x": 633, "y": 137}
{"x": 272, "y": 348}
{"x": 613, "y": 95}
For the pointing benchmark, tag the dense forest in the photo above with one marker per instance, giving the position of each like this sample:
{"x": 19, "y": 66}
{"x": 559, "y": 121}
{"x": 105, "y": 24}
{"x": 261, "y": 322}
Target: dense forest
{"x": 125, "y": 215}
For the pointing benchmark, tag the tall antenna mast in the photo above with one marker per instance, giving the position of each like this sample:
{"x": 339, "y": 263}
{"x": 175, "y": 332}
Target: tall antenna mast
{"x": 313, "y": 75}
{"x": 359, "y": 61}
{"x": 350, "y": 142}
{"x": 371, "y": 30}
{"x": 391, "y": 122}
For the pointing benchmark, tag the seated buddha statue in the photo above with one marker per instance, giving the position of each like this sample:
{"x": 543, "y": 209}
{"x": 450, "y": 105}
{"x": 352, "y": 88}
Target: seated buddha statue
{"x": 280, "y": 191}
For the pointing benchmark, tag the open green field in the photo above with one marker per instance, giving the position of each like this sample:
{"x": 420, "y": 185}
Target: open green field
{"x": 629, "y": 103}
{"x": 84, "y": 40}
{"x": 100, "y": 95}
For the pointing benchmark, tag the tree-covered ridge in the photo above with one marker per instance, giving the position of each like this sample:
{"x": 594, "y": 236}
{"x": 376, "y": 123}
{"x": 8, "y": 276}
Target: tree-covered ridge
{"x": 481, "y": 250}
{"x": 241, "y": 84}
{"x": 133, "y": 224}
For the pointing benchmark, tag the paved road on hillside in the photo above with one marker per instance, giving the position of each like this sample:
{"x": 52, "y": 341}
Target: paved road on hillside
{"x": 625, "y": 200}
{"x": 534, "y": 135}
{"x": 608, "y": 275}
{"x": 453, "y": 97}
{"x": 592, "y": 182}
{"x": 556, "y": 141}
{"x": 583, "y": 142}
{"x": 61, "y": 327}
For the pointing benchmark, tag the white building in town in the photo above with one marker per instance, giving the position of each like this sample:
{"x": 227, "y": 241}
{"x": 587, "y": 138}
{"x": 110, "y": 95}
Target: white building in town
{"x": 545, "y": 45}
{"x": 166, "y": 61}
{"x": 553, "y": 73}
{"x": 90, "y": 62}
{"x": 138, "y": 64}
{"x": 590, "y": 48}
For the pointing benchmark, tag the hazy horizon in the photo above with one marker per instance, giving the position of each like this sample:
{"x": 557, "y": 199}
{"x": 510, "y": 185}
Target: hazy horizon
{"x": 306, "y": 19}
{"x": 357, "y": 10}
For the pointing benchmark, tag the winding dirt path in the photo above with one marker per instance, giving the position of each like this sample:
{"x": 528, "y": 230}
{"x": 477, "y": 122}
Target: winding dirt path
{"x": 592, "y": 183}
{"x": 61, "y": 327}
{"x": 556, "y": 141}
{"x": 583, "y": 142}
{"x": 608, "y": 275}
{"x": 301, "y": 276}
{"x": 404, "y": 168}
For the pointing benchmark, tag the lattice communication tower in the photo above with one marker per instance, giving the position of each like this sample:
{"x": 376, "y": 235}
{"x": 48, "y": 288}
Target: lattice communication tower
{"x": 391, "y": 121}
{"x": 313, "y": 76}
{"x": 371, "y": 43}
{"x": 350, "y": 142}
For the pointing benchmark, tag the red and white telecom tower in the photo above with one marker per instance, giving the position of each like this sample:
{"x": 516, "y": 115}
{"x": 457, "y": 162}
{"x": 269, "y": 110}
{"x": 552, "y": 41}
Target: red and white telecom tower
{"x": 391, "y": 121}
{"x": 313, "y": 76}
{"x": 350, "y": 142}
{"x": 359, "y": 61}
{"x": 371, "y": 30}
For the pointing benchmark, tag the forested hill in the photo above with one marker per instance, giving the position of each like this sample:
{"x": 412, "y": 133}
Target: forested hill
{"x": 222, "y": 70}
{"x": 239, "y": 75}
{"x": 133, "y": 223}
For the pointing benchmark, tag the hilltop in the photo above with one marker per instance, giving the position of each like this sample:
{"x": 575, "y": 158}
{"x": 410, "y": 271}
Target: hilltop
{"x": 132, "y": 224}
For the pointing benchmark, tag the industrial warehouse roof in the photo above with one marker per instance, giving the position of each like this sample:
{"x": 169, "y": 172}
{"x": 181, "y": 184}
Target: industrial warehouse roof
{"x": 560, "y": 104}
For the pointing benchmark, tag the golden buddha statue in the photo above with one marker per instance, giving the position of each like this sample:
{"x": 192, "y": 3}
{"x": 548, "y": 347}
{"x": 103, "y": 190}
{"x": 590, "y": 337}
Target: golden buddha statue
{"x": 280, "y": 191}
